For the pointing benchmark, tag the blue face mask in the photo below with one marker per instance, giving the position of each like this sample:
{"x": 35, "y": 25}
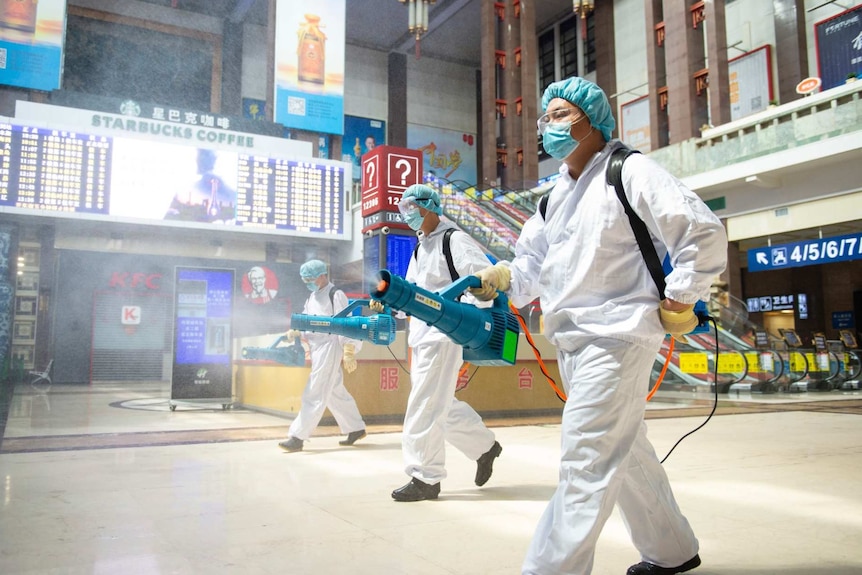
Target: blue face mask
{"x": 312, "y": 286}
{"x": 414, "y": 220}
{"x": 558, "y": 141}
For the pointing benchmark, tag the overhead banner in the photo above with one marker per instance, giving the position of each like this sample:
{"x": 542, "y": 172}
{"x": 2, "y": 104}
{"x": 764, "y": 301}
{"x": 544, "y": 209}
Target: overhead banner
{"x": 750, "y": 83}
{"x": 309, "y": 64}
{"x": 31, "y": 43}
{"x": 203, "y": 354}
{"x": 806, "y": 253}
{"x": 839, "y": 47}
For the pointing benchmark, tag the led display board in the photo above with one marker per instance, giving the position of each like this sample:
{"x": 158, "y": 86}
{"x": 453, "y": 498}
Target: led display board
{"x": 76, "y": 174}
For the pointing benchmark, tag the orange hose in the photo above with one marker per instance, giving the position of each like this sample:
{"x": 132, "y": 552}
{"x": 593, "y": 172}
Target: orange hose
{"x": 550, "y": 379}
{"x": 553, "y": 383}
{"x": 663, "y": 370}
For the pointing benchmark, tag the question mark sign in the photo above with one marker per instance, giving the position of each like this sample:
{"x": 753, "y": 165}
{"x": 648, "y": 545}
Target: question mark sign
{"x": 369, "y": 170}
{"x": 407, "y": 169}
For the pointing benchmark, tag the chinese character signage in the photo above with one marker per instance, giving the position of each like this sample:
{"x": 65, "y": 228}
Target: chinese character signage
{"x": 449, "y": 154}
{"x": 309, "y": 64}
{"x": 203, "y": 350}
{"x": 31, "y": 43}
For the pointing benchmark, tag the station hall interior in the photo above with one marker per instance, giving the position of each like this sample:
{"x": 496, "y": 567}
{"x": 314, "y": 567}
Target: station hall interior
{"x": 148, "y": 145}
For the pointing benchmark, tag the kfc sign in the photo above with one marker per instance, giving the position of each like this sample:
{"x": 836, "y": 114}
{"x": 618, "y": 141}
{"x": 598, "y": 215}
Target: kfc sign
{"x": 135, "y": 280}
{"x": 131, "y": 315}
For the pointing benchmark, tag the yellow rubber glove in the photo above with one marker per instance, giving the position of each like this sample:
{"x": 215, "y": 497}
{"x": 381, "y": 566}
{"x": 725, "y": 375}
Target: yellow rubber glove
{"x": 348, "y": 359}
{"x": 292, "y": 334}
{"x": 376, "y": 306}
{"x": 495, "y": 277}
{"x": 678, "y": 323}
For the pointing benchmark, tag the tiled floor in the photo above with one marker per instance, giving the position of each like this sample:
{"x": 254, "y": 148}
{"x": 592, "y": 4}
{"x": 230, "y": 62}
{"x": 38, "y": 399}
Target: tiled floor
{"x": 770, "y": 484}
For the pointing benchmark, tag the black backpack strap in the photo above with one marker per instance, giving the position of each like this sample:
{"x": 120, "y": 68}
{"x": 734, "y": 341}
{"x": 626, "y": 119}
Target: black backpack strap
{"x": 543, "y": 205}
{"x": 615, "y": 178}
{"x": 447, "y": 252}
{"x": 332, "y": 299}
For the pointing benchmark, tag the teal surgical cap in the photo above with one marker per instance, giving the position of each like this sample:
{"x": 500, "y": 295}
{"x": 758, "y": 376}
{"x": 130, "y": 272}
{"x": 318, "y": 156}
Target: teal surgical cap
{"x": 586, "y": 96}
{"x": 425, "y": 197}
{"x": 312, "y": 269}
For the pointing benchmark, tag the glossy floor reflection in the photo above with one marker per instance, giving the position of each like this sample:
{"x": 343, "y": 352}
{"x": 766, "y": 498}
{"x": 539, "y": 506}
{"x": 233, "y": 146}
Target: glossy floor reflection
{"x": 768, "y": 491}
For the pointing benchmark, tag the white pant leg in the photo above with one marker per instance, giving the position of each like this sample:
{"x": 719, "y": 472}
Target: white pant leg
{"x": 433, "y": 376}
{"x": 343, "y": 407}
{"x": 466, "y": 431}
{"x": 324, "y": 378}
{"x": 658, "y": 529}
{"x": 606, "y": 384}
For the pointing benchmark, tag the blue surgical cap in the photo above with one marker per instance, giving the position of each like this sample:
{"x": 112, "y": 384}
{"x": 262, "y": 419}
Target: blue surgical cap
{"x": 586, "y": 96}
{"x": 312, "y": 269}
{"x": 425, "y": 196}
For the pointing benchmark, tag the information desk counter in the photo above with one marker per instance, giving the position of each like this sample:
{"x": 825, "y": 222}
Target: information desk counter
{"x": 381, "y": 384}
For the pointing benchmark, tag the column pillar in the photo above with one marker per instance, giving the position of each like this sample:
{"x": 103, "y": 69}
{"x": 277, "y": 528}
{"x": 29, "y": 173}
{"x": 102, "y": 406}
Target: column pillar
{"x": 791, "y": 47}
{"x": 397, "y": 112}
{"x": 719, "y": 75}
{"x": 656, "y": 73}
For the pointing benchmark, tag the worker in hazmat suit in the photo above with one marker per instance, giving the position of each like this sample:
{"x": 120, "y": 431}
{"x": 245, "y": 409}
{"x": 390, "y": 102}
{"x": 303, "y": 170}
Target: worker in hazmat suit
{"x": 604, "y": 313}
{"x": 325, "y": 387}
{"x": 433, "y": 414}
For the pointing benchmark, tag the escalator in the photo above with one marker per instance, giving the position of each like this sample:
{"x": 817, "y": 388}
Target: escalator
{"x": 741, "y": 367}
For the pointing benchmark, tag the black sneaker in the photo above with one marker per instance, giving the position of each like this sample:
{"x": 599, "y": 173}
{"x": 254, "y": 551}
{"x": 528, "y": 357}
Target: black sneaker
{"x": 416, "y": 490}
{"x": 485, "y": 464}
{"x": 291, "y": 444}
{"x": 646, "y": 568}
{"x": 353, "y": 437}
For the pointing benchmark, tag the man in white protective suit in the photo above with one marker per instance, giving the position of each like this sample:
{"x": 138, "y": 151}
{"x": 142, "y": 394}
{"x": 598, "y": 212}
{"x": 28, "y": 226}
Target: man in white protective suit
{"x": 325, "y": 387}
{"x": 433, "y": 414}
{"x": 603, "y": 312}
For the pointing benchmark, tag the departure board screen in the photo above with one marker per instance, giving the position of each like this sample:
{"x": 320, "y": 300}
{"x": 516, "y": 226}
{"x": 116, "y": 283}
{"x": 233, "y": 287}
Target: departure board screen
{"x": 145, "y": 181}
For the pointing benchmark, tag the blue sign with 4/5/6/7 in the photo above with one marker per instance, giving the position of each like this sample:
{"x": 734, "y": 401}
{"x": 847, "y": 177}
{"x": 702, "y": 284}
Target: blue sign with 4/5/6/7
{"x": 806, "y": 253}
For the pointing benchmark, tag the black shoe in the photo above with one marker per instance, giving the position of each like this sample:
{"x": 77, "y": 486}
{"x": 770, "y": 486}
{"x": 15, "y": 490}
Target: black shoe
{"x": 485, "y": 464}
{"x": 416, "y": 490}
{"x": 291, "y": 444}
{"x": 646, "y": 568}
{"x": 353, "y": 437}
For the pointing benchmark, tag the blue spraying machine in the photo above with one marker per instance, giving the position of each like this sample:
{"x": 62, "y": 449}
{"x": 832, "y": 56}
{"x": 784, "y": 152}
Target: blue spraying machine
{"x": 290, "y": 355}
{"x": 489, "y": 335}
{"x": 378, "y": 329}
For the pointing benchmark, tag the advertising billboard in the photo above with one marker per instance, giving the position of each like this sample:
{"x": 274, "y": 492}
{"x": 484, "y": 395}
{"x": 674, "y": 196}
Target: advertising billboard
{"x": 450, "y": 154}
{"x": 31, "y": 43}
{"x": 203, "y": 353}
{"x": 839, "y": 47}
{"x": 750, "y": 82}
{"x": 309, "y": 64}
{"x": 361, "y": 135}
{"x": 635, "y": 125}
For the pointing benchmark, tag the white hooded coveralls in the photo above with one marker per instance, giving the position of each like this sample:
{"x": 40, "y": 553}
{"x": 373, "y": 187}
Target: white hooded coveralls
{"x": 600, "y": 307}
{"x": 433, "y": 414}
{"x": 325, "y": 387}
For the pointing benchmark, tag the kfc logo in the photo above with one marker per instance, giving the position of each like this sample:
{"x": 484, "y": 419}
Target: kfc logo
{"x": 260, "y": 285}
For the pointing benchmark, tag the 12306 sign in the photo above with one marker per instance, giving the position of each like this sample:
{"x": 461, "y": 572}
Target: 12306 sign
{"x": 806, "y": 253}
